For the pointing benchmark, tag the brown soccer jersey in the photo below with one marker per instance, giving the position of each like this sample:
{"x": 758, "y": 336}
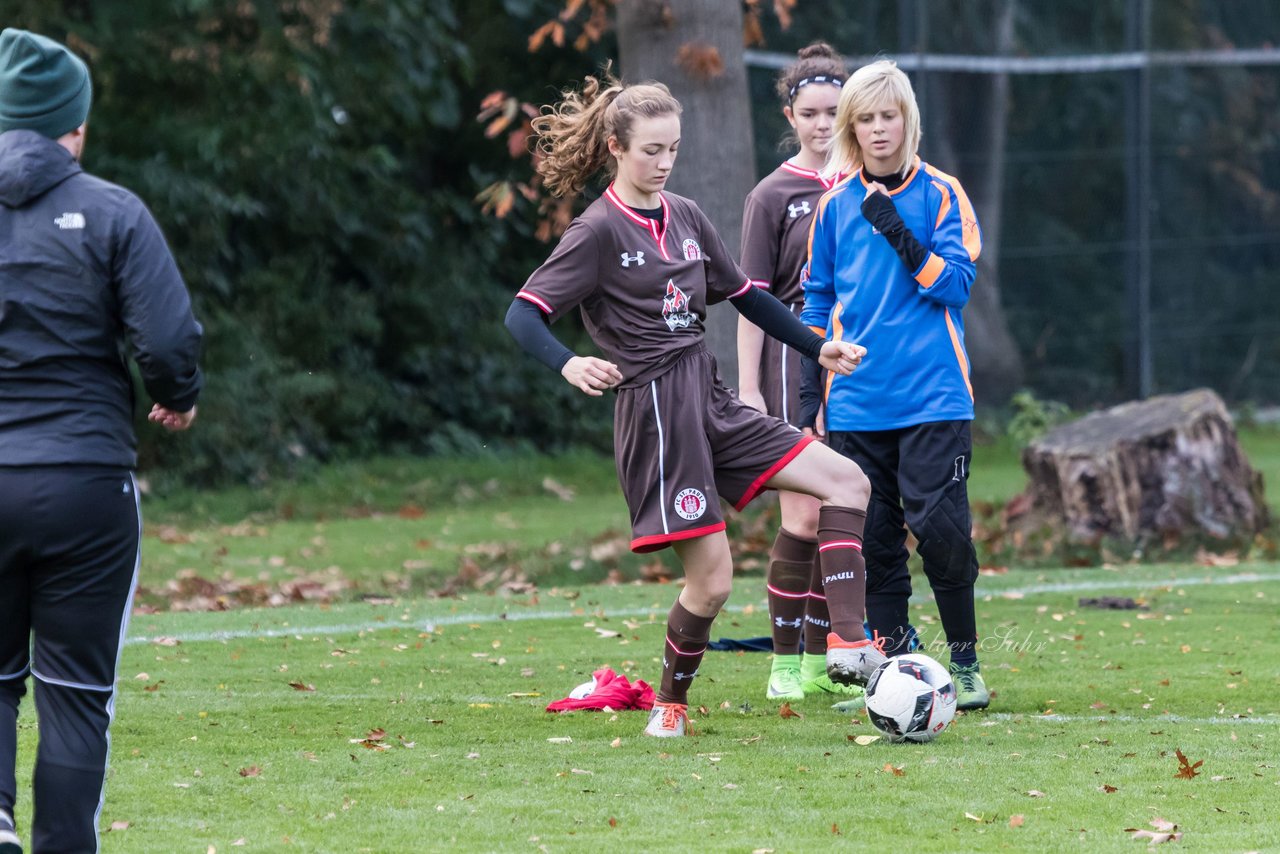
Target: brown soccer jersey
{"x": 775, "y": 248}
{"x": 775, "y": 229}
{"x": 643, "y": 290}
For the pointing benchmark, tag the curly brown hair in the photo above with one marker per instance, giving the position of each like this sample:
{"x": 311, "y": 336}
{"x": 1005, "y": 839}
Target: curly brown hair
{"x": 573, "y": 135}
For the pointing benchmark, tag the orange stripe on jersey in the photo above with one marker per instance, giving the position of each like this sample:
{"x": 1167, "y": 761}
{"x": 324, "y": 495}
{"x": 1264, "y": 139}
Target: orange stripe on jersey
{"x": 906, "y": 182}
{"x": 968, "y": 219}
{"x": 955, "y": 343}
{"x": 945, "y": 206}
{"x": 819, "y": 330}
{"x": 931, "y": 270}
{"x": 822, "y": 206}
{"x": 837, "y": 330}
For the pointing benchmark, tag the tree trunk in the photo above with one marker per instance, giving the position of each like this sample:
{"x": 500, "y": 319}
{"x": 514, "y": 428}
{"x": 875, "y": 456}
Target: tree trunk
{"x": 975, "y": 108}
{"x": 716, "y": 167}
{"x": 1157, "y": 471}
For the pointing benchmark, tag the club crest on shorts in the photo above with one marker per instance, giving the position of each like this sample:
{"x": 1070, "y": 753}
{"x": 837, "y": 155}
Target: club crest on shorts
{"x": 692, "y": 251}
{"x": 675, "y": 307}
{"x": 690, "y": 504}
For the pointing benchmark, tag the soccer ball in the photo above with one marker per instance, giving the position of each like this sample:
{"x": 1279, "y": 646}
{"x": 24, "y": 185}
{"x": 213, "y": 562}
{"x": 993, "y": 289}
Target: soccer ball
{"x": 911, "y": 698}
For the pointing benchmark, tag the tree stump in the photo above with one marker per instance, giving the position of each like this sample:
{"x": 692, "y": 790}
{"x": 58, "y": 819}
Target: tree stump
{"x": 1168, "y": 469}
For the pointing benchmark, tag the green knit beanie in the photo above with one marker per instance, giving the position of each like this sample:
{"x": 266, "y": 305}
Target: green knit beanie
{"x": 43, "y": 86}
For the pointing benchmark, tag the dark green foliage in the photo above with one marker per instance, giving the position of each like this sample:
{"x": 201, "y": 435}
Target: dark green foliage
{"x": 313, "y": 164}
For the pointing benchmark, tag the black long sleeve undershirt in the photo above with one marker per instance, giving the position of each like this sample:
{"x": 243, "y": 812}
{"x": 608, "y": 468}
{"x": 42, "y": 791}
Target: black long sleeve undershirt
{"x": 881, "y": 212}
{"x": 766, "y": 311}
{"x": 528, "y": 325}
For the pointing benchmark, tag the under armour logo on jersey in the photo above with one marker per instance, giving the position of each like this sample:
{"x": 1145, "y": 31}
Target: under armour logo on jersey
{"x": 637, "y": 259}
{"x": 788, "y": 624}
{"x": 798, "y": 210}
{"x": 70, "y": 221}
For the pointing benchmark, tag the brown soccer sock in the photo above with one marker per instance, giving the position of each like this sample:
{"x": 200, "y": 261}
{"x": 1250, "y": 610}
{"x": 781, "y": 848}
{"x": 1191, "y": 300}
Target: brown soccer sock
{"x": 687, "y": 636}
{"x": 817, "y": 619}
{"x": 790, "y": 565}
{"x": 844, "y": 573}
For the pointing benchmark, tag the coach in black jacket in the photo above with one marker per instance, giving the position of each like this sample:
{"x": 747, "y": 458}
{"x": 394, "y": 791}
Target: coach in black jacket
{"x": 83, "y": 268}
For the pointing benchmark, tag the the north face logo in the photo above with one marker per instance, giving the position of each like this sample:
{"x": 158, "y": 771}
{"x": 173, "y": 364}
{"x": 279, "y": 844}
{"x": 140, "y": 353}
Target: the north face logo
{"x": 70, "y": 221}
{"x": 675, "y": 308}
{"x": 798, "y": 210}
{"x": 637, "y": 259}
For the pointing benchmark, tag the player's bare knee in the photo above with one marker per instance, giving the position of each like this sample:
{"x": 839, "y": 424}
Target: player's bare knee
{"x": 707, "y": 599}
{"x": 850, "y": 487}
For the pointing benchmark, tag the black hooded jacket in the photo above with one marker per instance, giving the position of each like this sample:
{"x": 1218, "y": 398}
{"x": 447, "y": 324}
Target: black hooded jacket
{"x": 83, "y": 268}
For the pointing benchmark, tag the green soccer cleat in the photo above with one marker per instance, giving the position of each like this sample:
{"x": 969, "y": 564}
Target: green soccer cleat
{"x": 816, "y": 682}
{"x": 971, "y": 691}
{"x": 784, "y": 679}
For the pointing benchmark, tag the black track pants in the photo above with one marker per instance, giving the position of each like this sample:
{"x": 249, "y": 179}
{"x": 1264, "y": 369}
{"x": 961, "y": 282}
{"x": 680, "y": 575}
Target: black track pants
{"x": 919, "y": 480}
{"x": 68, "y": 566}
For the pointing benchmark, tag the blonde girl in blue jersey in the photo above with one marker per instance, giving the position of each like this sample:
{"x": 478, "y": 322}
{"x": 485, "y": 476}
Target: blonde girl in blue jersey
{"x": 892, "y": 259}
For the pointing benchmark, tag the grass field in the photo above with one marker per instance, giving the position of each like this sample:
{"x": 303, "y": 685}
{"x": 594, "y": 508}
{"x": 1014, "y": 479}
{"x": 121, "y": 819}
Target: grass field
{"x": 221, "y": 739}
{"x": 405, "y": 724}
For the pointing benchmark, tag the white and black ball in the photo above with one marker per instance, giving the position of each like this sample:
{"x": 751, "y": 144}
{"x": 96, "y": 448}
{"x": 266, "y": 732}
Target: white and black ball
{"x": 911, "y": 698}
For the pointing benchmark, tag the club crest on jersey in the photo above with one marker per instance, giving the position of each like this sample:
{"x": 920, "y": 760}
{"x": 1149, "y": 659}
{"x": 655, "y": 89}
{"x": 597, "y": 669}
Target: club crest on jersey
{"x": 690, "y": 504}
{"x": 692, "y": 251}
{"x": 798, "y": 210}
{"x": 675, "y": 307}
{"x": 637, "y": 259}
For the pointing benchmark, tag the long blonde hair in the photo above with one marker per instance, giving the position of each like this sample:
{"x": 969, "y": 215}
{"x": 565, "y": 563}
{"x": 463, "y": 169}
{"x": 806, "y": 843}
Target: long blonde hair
{"x": 871, "y": 86}
{"x": 573, "y": 135}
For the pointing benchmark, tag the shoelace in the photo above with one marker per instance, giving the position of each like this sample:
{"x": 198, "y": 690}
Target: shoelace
{"x": 671, "y": 715}
{"x": 967, "y": 678}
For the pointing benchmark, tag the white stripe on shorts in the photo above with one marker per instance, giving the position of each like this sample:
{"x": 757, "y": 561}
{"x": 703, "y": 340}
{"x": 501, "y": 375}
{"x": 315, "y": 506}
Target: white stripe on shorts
{"x": 662, "y": 453}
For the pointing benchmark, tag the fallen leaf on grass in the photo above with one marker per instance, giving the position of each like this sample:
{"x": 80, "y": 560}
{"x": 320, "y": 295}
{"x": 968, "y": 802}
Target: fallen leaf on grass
{"x": 785, "y": 711}
{"x": 301, "y": 686}
{"x": 835, "y": 829}
{"x": 251, "y": 771}
{"x": 613, "y": 822}
{"x": 518, "y": 694}
{"x": 1186, "y": 770}
{"x": 1035, "y": 793}
{"x": 1108, "y": 789}
{"x": 153, "y": 687}
{"x": 1015, "y": 821}
{"x": 1164, "y": 832}
{"x": 979, "y": 819}
{"x": 890, "y": 769}
{"x": 563, "y": 739}
{"x": 165, "y": 641}
{"x": 119, "y": 825}
{"x": 617, "y": 742}
{"x": 863, "y": 740}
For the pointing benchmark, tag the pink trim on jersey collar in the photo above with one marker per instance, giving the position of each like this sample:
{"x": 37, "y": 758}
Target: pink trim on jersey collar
{"x": 813, "y": 175}
{"x": 644, "y": 222}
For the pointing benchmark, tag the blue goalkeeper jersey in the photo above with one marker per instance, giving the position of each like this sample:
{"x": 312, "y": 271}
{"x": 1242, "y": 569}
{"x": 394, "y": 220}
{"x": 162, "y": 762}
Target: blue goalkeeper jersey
{"x": 858, "y": 289}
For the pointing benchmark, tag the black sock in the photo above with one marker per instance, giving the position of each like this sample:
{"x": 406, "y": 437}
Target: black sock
{"x": 887, "y": 613}
{"x": 959, "y": 621}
